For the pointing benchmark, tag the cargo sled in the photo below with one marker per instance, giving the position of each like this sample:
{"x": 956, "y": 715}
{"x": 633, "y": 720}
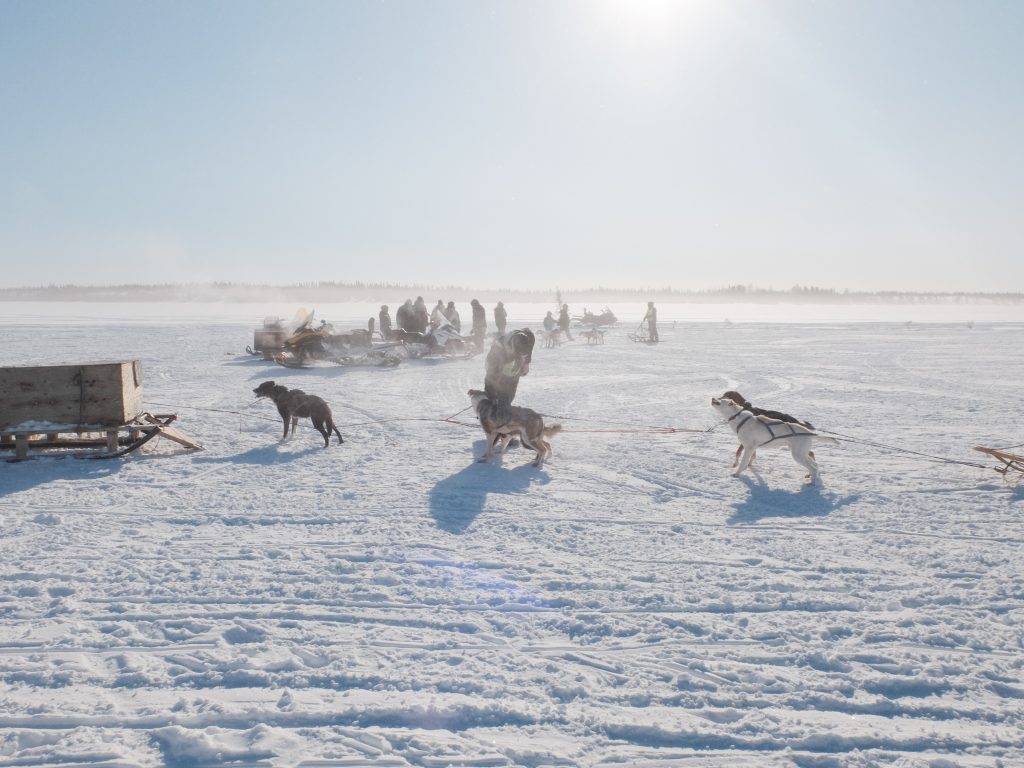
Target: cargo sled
{"x": 641, "y": 334}
{"x": 1009, "y": 461}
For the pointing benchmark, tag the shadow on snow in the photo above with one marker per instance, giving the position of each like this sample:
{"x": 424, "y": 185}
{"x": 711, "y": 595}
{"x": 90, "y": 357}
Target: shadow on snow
{"x": 265, "y": 454}
{"x": 44, "y": 468}
{"x": 763, "y": 502}
{"x": 456, "y": 500}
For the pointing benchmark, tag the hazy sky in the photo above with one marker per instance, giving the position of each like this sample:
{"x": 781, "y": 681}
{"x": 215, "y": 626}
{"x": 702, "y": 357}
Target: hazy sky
{"x": 867, "y": 144}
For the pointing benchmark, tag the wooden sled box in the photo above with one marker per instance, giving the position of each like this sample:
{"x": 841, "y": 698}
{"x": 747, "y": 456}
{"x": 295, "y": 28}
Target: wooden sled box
{"x": 87, "y": 394}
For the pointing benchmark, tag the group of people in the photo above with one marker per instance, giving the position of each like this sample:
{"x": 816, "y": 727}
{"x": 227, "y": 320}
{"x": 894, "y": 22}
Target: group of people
{"x": 414, "y": 317}
{"x": 562, "y": 323}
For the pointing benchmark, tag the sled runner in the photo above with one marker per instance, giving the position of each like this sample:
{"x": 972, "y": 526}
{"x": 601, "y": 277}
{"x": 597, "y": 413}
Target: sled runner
{"x": 1009, "y": 460}
{"x": 105, "y": 442}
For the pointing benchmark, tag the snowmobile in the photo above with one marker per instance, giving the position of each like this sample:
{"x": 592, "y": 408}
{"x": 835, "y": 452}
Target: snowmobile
{"x": 443, "y": 340}
{"x": 308, "y": 344}
{"x": 607, "y": 317}
{"x": 268, "y": 340}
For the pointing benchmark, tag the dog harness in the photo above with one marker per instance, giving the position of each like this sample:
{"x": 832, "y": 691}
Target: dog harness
{"x": 774, "y": 436}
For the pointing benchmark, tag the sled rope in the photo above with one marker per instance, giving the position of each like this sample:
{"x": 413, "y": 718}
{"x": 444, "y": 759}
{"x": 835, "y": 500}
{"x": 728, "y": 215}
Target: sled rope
{"x": 632, "y": 428}
{"x": 897, "y": 449}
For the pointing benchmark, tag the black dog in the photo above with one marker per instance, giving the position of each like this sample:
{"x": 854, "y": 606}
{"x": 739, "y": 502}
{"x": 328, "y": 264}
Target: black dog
{"x": 294, "y": 404}
{"x": 740, "y": 400}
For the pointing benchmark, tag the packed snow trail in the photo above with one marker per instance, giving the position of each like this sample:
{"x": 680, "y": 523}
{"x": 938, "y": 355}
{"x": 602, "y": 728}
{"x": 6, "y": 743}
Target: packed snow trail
{"x": 391, "y": 601}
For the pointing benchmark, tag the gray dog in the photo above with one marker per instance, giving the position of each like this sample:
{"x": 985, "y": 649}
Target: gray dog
{"x": 294, "y": 404}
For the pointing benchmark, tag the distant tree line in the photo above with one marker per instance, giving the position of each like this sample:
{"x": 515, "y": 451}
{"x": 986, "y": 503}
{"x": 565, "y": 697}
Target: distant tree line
{"x": 331, "y": 291}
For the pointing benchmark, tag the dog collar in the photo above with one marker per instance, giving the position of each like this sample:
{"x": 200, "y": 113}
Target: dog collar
{"x": 738, "y": 413}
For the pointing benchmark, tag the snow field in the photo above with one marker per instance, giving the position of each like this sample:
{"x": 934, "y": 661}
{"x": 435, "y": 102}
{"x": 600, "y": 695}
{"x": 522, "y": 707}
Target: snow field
{"x": 392, "y": 602}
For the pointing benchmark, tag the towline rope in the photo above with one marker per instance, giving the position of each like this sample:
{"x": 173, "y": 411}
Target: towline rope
{"x": 451, "y": 420}
{"x": 897, "y": 449}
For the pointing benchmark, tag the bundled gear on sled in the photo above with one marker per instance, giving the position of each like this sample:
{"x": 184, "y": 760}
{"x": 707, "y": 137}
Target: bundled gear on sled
{"x": 309, "y": 345}
{"x": 606, "y": 317}
{"x": 444, "y": 340}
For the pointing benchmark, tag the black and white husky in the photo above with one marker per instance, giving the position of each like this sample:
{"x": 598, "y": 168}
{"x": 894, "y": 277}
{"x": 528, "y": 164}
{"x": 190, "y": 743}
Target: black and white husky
{"x": 755, "y": 431}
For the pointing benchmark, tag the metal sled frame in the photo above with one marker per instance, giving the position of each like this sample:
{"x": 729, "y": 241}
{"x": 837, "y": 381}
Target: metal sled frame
{"x": 640, "y": 334}
{"x": 1009, "y": 460}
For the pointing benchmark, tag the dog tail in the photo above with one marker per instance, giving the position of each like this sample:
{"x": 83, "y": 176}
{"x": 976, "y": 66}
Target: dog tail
{"x": 553, "y": 430}
{"x": 824, "y": 438}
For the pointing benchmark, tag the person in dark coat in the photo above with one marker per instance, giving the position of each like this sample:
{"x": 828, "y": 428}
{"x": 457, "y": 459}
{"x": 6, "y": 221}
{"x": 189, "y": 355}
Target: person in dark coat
{"x": 508, "y": 360}
{"x": 479, "y": 323}
{"x": 404, "y": 317}
{"x": 384, "y": 317}
{"x": 500, "y": 318}
{"x": 563, "y": 321}
{"x": 420, "y": 315}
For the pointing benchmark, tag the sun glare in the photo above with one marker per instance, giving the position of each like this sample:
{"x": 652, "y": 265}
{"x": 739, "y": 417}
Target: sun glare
{"x": 647, "y": 19}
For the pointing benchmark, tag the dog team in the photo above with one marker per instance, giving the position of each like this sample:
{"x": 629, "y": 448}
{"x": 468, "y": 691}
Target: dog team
{"x": 509, "y": 360}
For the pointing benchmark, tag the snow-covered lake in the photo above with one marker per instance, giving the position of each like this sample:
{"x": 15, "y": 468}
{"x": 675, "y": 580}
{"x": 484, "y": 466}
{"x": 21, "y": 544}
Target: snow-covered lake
{"x": 392, "y": 602}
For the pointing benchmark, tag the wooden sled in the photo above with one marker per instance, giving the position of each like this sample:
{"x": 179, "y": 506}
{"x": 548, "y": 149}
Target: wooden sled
{"x": 1009, "y": 460}
{"x": 107, "y": 442}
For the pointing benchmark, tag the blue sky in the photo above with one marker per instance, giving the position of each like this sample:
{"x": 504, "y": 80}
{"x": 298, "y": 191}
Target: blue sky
{"x": 863, "y": 145}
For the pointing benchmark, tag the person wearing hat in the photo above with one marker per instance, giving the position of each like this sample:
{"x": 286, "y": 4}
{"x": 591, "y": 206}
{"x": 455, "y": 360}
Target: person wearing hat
{"x": 385, "y": 322}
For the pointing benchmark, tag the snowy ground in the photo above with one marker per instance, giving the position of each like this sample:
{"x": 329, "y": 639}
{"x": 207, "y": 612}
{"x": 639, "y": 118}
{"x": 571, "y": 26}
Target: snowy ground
{"x": 391, "y": 602}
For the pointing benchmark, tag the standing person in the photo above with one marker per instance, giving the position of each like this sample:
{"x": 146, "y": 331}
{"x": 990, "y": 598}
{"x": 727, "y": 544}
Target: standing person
{"x": 452, "y": 315}
{"x": 420, "y": 315}
{"x": 508, "y": 360}
{"x": 437, "y": 318}
{"x": 479, "y": 323}
{"x": 385, "y": 322}
{"x": 500, "y": 316}
{"x": 563, "y": 321}
{"x": 549, "y": 322}
{"x": 404, "y": 317}
{"x": 652, "y": 322}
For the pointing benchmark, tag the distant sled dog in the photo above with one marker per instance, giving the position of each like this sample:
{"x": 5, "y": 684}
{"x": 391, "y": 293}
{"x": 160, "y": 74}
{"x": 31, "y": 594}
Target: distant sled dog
{"x": 294, "y": 404}
{"x": 503, "y": 422}
{"x": 755, "y": 431}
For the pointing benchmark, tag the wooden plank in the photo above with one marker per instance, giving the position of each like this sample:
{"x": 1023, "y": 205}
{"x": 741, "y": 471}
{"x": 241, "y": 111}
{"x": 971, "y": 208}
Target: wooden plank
{"x": 1003, "y": 455}
{"x": 1010, "y": 460}
{"x": 174, "y": 435}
